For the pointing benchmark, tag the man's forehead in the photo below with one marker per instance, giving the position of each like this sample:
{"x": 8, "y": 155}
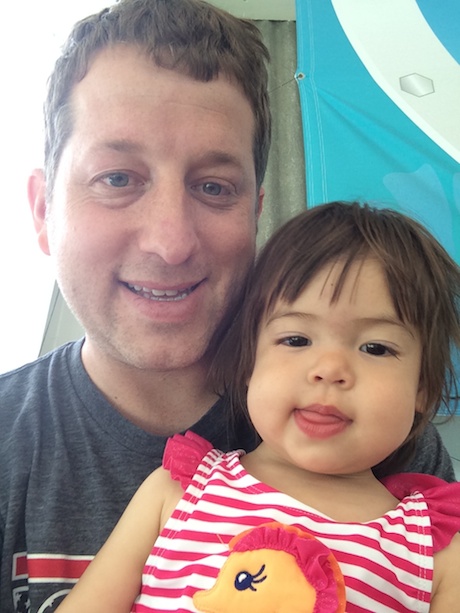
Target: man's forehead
{"x": 115, "y": 63}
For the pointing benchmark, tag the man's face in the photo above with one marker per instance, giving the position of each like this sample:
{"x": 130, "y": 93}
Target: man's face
{"x": 153, "y": 217}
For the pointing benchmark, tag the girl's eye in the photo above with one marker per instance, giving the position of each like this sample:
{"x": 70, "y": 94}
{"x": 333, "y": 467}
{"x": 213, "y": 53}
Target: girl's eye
{"x": 296, "y": 341}
{"x": 377, "y": 349}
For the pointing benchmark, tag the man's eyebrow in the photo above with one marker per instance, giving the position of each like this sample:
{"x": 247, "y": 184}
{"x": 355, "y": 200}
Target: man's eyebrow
{"x": 120, "y": 145}
{"x": 218, "y": 157}
{"x": 215, "y": 157}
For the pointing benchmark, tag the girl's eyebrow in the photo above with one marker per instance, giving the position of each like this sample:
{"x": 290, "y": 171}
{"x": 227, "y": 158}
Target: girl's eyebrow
{"x": 364, "y": 322}
{"x": 276, "y": 315}
{"x": 387, "y": 321}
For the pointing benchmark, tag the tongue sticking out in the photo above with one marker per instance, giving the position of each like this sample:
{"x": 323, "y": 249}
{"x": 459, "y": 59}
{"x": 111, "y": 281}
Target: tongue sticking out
{"x": 320, "y": 421}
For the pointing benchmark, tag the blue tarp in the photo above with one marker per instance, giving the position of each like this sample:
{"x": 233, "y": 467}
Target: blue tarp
{"x": 379, "y": 84}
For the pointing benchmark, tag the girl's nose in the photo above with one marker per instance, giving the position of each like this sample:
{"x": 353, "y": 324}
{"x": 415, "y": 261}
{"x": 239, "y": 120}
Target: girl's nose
{"x": 332, "y": 368}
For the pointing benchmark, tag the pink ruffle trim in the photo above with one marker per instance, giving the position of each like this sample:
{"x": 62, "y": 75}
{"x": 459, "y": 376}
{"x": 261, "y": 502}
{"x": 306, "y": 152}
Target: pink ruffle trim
{"x": 442, "y": 498}
{"x": 183, "y": 454}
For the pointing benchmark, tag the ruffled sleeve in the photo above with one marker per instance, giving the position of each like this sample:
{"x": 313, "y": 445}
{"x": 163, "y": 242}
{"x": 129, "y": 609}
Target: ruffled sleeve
{"x": 183, "y": 454}
{"x": 442, "y": 498}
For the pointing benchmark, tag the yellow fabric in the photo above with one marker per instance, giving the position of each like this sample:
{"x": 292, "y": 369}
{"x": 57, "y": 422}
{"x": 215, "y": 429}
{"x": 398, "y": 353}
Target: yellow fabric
{"x": 266, "y": 580}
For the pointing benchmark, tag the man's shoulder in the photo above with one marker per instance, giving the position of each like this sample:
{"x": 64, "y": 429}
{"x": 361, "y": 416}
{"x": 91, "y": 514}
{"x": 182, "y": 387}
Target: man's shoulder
{"x": 431, "y": 456}
{"x": 54, "y": 359}
{"x": 31, "y": 386}
{"x": 225, "y": 430}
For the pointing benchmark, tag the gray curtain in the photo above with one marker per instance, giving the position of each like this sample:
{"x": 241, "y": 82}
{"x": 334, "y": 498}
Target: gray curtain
{"x": 285, "y": 179}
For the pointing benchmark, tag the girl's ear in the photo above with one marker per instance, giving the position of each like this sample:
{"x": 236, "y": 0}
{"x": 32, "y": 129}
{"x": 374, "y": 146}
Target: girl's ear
{"x": 420, "y": 401}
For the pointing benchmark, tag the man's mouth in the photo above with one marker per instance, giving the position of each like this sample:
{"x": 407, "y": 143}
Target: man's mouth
{"x": 161, "y": 295}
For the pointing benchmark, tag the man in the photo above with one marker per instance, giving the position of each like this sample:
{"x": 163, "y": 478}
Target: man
{"x": 157, "y": 136}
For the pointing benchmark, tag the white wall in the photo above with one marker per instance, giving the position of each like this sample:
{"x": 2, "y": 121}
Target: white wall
{"x": 32, "y": 32}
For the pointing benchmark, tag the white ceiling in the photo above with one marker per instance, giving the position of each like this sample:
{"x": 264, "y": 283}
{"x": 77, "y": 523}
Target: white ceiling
{"x": 259, "y": 9}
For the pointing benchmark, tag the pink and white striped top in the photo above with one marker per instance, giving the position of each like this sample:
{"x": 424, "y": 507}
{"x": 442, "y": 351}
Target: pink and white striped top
{"x": 387, "y": 563}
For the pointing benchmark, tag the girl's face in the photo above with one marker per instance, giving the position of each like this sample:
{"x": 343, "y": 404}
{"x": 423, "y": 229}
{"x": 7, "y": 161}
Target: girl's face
{"x": 335, "y": 386}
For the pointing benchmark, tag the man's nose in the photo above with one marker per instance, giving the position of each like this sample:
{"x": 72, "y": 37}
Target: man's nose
{"x": 167, "y": 224}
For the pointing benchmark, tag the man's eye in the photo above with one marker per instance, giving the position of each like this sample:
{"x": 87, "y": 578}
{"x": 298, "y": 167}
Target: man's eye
{"x": 117, "y": 179}
{"x": 377, "y": 349}
{"x": 215, "y": 194}
{"x": 296, "y": 341}
{"x": 212, "y": 189}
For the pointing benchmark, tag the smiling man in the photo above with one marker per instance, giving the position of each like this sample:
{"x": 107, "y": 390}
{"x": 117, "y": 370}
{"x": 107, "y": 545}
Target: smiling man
{"x": 157, "y": 134}
{"x": 157, "y": 199}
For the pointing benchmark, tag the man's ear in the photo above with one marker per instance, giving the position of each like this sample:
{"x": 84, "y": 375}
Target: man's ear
{"x": 36, "y": 192}
{"x": 260, "y": 202}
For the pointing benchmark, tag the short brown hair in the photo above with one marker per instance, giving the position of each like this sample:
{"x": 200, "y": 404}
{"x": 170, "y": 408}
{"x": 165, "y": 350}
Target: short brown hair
{"x": 423, "y": 280}
{"x": 190, "y": 36}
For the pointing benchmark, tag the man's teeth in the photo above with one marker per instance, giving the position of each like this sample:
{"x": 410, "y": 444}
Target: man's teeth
{"x": 160, "y": 294}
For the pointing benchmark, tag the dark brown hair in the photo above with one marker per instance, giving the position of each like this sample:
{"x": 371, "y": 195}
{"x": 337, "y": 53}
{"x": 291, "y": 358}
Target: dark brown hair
{"x": 423, "y": 280}
{"x": 189, "y": 36}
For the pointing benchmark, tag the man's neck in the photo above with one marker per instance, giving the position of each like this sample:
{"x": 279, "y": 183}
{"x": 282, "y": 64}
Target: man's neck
{"x": 160, "y": 402}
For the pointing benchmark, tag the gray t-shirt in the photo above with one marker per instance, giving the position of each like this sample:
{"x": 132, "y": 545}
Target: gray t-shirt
{"x": 70, "y": 463}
